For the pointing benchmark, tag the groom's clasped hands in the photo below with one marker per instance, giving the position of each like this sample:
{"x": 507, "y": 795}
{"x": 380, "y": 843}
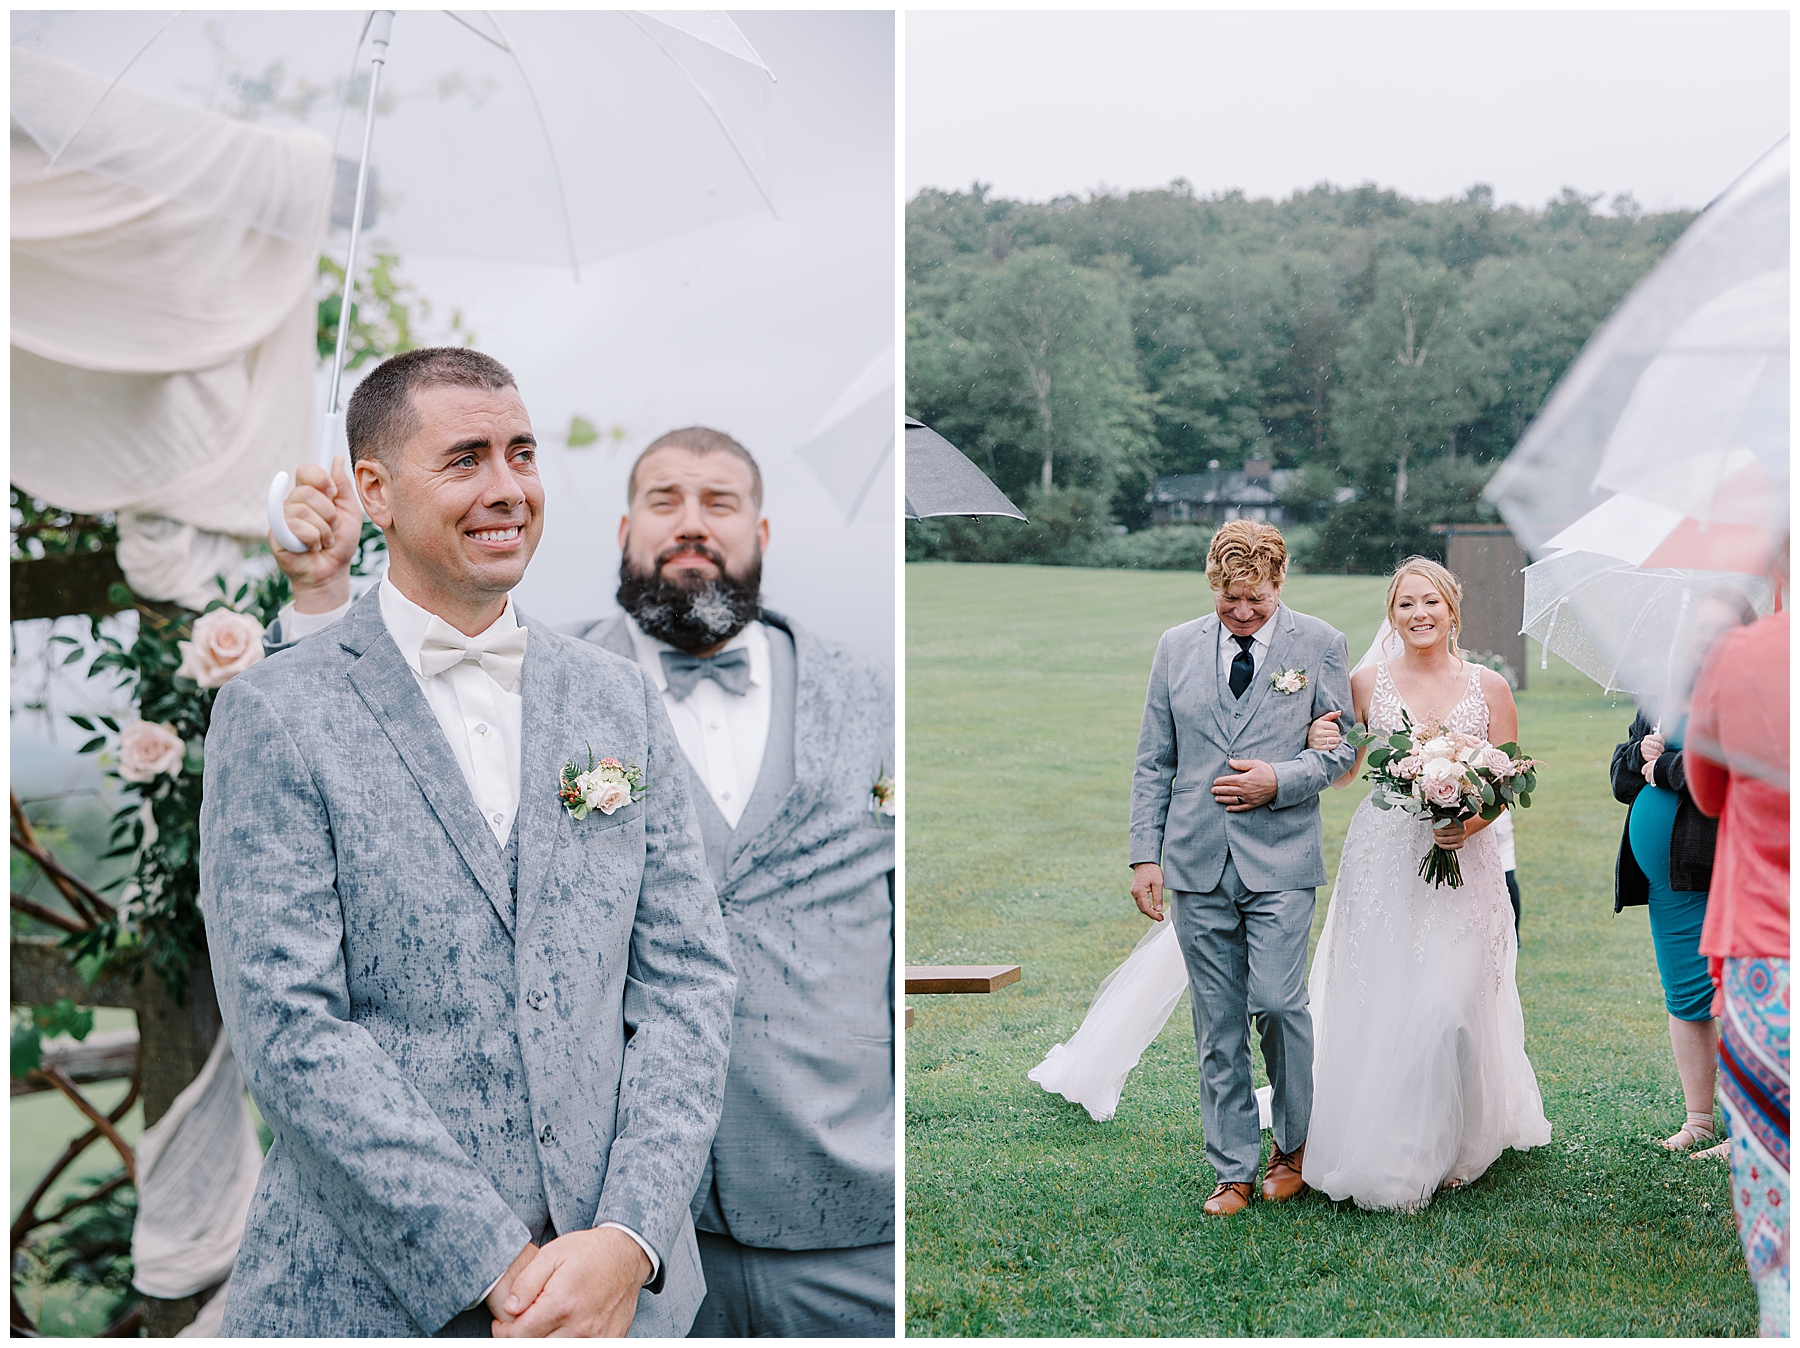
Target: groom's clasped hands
{"x": 584, "y": 1284}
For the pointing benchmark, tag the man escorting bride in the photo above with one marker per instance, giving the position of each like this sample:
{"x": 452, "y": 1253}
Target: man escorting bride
{"x": 1225, "y": 814}
{"x": 1407, "y": 1073}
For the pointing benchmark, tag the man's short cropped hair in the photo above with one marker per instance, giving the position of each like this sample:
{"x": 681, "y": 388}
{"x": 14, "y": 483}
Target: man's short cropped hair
{"x": 698, "y": 440}
{"x": 381, "y": 417}
{"x": 1248, "y": 552}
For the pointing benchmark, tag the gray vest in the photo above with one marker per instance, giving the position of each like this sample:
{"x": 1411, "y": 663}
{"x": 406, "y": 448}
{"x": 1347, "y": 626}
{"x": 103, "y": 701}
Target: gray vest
{"x": 774, "y": 779}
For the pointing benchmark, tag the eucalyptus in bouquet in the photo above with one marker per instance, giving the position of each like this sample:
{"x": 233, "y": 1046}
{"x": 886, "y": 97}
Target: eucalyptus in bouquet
{"x": 1445, "y": 776}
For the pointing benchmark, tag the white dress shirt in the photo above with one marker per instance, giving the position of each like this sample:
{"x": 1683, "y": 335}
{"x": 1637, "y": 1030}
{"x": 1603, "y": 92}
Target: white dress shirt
{"x": 482, "y": 722}
{"x": 723, "y": 734}
{"x": 1228, "y": 651}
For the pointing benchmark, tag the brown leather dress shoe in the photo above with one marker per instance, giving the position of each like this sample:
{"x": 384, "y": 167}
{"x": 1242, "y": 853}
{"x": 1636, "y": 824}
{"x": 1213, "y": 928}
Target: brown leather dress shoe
{"x": 1281, "y": 1181}
{"x": 1228, "y": 1199}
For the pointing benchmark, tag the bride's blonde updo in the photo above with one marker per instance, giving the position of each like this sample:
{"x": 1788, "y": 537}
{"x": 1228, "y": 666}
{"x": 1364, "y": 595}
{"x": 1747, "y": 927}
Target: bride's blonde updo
{"x": 1447, "y": 586}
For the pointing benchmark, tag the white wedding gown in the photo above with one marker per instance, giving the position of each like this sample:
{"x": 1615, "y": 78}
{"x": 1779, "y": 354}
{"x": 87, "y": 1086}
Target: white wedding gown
{"x": 1420, "y": 1077}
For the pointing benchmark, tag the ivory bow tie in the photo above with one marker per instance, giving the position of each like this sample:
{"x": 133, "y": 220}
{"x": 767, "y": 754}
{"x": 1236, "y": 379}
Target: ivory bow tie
{"x": 729, "y": 669}
{"x": 499, "y": 651}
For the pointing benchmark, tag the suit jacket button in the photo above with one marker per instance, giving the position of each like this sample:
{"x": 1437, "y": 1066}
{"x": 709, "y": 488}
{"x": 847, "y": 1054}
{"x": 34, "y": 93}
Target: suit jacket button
{"x": 547, "y": 1137}
{"x": 537, "y": 999}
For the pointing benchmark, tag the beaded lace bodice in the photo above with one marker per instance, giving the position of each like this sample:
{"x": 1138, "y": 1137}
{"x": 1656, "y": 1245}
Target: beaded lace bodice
{"x": 1378, "y": 881}
{"x": 1469, "y": 715}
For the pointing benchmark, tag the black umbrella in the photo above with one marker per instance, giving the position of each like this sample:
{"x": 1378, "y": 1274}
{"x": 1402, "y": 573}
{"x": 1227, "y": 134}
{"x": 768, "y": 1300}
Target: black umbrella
{"x": 940, "y": 480}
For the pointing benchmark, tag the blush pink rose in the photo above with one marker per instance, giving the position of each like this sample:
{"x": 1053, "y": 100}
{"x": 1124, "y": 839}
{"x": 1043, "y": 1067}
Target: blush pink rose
{"x": 1410, "y": 766}
{"x": 147, "y": 750}
{"x": 1497, "y": 763}
{"x": 1441, "y": 790}
{"x": 225, "y": 644}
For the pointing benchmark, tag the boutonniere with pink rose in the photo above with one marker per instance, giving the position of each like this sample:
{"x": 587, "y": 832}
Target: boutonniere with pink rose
{"x": 884, "y": 796}
{"x": 605, "y": 786}
{"x": 1287, "y": 680}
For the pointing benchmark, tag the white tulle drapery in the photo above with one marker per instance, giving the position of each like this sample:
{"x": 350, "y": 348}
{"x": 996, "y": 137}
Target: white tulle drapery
{"x": 196, "y": 1177}
{"x": 162, "y": 354}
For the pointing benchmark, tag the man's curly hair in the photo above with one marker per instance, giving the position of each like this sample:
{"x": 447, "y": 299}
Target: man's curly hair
{"x": 1248, "y": 551}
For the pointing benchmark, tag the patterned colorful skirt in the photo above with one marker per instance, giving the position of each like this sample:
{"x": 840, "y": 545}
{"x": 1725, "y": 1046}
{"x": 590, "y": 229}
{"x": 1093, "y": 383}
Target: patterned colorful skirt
{"x": 1753, "y": 1088}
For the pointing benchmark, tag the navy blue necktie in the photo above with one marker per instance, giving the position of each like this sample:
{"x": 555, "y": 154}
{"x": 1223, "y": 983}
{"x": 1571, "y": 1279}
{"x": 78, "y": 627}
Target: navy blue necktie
{"x": 729, "y": 669}
{"x": 1242, "y": 666}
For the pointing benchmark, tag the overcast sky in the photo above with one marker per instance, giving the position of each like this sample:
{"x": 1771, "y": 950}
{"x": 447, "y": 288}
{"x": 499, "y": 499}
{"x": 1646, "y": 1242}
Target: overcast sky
{"x": 1667, "y": 106}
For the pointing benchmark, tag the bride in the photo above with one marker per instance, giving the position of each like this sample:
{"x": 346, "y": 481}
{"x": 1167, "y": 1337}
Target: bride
{"x": 1419, "y": 1068}
{"x": 1420, "y": 1078}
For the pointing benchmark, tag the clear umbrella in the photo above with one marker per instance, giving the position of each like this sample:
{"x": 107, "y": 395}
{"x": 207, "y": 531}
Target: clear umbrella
{"x": 1635, "y": 630}
{"x": 1681, "y": 397}
{"x": 556, "y": 138}
{"x": 1653, "y": 486}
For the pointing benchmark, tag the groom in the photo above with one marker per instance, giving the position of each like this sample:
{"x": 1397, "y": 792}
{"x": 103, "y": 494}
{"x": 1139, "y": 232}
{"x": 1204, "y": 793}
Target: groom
{"x": 1225, "y": 814}
{"x": 490, "y": 1038}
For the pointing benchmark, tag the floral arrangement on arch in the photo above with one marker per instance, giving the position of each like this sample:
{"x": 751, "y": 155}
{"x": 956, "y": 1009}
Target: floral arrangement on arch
{"x": 175, "y": 669}
{"x": 1444, "y": 776}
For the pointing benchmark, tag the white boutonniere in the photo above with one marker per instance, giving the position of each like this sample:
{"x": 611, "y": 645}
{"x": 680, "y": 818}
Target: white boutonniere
{"x": 605, "y": 786}
{"x": 884, "y": 796}
{"x": 1288, "y": 680}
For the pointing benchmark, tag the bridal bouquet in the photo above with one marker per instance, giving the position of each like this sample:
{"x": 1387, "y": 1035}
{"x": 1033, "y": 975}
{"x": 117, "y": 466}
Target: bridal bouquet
{"x": 1444, "y": 776}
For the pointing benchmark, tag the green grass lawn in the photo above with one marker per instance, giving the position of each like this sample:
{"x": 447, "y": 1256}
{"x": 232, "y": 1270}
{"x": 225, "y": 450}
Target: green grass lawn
{"x": 1025, "y": 687}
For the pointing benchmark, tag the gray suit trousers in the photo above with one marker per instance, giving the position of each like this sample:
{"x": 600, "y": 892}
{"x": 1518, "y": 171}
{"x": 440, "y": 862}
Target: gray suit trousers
{"x": 795, "y": 1294}
{"x": 1248, "y": 950}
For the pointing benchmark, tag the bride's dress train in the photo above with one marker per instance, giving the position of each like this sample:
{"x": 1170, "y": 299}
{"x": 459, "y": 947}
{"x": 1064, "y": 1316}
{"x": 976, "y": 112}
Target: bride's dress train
{"x": 1129, "y": 1009}
{"x": 1420, "y": 1077}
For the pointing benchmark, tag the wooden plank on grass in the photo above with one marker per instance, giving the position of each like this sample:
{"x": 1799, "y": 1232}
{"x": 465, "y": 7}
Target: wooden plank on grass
{"x": 929, "y": 978}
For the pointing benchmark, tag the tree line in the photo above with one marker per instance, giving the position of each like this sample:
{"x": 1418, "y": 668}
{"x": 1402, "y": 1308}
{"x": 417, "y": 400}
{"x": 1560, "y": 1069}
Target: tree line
{"x": 1390, "y": 350}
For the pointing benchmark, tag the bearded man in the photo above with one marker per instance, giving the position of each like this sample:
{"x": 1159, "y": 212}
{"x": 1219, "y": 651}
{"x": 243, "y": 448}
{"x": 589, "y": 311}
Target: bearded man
{"x": 786, "y": 738}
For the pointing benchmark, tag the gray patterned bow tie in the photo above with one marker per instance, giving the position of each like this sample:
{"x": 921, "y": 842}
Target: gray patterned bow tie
{"x": 729, "y": 669}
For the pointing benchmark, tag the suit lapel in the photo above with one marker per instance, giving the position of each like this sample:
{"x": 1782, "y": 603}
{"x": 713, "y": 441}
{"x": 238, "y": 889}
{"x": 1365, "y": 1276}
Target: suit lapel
{"x": 1280, "y": 639}
{"x": 543, "y": 691}
{"x": 1214, "y": 692}
{"x": 389, "y": 689}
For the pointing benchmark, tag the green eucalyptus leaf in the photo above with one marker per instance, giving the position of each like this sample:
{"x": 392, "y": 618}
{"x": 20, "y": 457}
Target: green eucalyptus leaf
{"x": 98, "y": 742}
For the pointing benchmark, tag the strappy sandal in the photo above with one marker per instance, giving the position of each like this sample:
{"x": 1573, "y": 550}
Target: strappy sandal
{"x": 1697, "y": 1129}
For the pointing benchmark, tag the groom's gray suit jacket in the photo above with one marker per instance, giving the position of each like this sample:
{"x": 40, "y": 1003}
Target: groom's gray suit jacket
{"x": 804, "y": 1157}
{"x": 1193, "y": 725}
{"x": 454, "y": 1056}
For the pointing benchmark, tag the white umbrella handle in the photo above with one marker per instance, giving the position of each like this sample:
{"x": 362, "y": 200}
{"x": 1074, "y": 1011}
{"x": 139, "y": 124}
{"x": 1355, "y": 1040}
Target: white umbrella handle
{"x": 278, "y": 486}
